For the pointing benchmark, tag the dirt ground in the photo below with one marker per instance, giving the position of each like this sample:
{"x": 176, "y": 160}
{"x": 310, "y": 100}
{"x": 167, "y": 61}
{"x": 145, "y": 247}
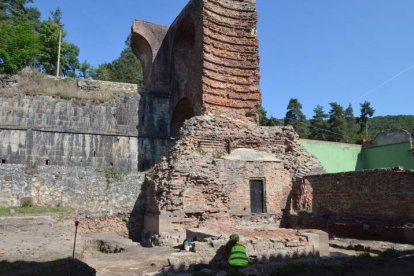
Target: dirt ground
{"x": 43, "y": 245}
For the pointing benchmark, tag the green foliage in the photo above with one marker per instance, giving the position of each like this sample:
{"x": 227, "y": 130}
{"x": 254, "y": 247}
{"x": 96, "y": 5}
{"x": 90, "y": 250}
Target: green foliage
{"x": 318, "y": 124}
{"x": 12, "y": 9}
{"x": 296, "y": 118}
{"x": 366, "y": 112}
{"x": 26, "y": 40}
{"x": 85, "y": 70}
{"x": 350, "y": 132}
{"x": 31, "y": 168}
{"x": 26, "y": 202}
{"x": 6, "y": 211}
{"x": 336, "y": 123}
{"x": 49, "y": 34}
{"x": 380, "y": 123}
{"x": 126, "y": 68}
{"x": 112, "y": 174}
{"x": 265, "y": 121}
{"x": 20, "y": 44}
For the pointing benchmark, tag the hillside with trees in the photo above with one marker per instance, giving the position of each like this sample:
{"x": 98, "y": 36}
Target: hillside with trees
{"x": 338, "y": 124}
{"x": 377, "y": 124}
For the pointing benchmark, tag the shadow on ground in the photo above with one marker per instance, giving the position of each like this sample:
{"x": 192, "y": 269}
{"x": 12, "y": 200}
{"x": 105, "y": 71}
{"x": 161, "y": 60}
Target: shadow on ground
{"x": 390, "y": 262}
{"x": 62, "y": 267}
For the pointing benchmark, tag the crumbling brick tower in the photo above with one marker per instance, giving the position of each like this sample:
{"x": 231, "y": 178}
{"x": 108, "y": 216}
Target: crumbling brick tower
{"x": 206, "y": 62}
{"x": 201, "y": 79}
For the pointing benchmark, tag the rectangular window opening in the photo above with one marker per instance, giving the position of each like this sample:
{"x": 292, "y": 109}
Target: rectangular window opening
{"x": 3, "y": 161}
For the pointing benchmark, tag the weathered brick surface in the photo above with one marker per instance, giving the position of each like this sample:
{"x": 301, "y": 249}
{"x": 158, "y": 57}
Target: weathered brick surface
{"x": 197, "y": 186}
{"x": 382, "y": 195}
{"x": 230, "y": 59}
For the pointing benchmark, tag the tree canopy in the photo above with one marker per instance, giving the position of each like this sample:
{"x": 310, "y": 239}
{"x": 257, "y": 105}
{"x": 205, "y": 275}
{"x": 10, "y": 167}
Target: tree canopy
{"x": 366, "y": 112}
{"x": 318, "y": 125}
{"x": 27, "y": 40}
{"x": 340, "y": 125}
{"x": 295, "y": 117}
{"x": 126, "y": 68}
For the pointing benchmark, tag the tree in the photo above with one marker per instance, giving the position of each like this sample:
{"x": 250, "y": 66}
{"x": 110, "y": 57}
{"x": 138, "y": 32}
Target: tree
{"x": 336, "y": 123}
{"x": 49, "y": 35}
{"x": 56, "y": 16}
{"x": 318, "y": 125}
{"x": 350, "y": 124}
{"x": 262, "y": 116}
{"x": 366, "y": 112}
{"x": 12, "y": 9}
{"x": 85, "y": 70}
{"x": 265, "y": 121}
{"x": 127, "y": 68}
{"x": 19, "y": 40}
{"x": 20, "y": 45}
{"x": 296, "y": 118}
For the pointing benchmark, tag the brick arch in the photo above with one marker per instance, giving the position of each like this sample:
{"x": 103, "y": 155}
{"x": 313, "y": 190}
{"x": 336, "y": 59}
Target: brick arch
{"x": 183, "y": 110}
{"x": 143, "y": 50}
{"x": 182, "y": 62}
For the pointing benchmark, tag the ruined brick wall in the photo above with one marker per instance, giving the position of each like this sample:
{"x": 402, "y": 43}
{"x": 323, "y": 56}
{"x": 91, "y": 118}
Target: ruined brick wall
{"x": 381, "y": 195}
{"x": 195, "y": 185}
{"x": 230, "y": 59}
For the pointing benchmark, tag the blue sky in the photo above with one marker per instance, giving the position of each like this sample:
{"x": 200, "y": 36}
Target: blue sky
{"x": 318, "y": 51}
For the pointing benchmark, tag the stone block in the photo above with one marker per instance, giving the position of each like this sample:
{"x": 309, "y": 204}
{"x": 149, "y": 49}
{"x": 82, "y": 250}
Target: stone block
{"x": 318, "y": 240}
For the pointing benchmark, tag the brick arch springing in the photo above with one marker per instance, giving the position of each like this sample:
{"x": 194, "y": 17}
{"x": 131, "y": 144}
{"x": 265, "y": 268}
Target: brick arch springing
{"x": 183, "y": 110}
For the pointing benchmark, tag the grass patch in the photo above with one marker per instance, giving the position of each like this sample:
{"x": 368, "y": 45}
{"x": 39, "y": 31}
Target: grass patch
{"x": 5, "y": 211}
{"x": 34, "y": 83}
{"x": 112, "y": 174}
{"x": 31, "y": 168}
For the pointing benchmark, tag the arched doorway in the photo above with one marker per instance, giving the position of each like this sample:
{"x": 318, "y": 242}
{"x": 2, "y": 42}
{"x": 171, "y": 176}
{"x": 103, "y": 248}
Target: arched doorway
{"x": 183, "y": 110}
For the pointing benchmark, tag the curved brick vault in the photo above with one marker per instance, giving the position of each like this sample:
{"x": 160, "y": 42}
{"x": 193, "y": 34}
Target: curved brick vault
{"x": 208, "y": 55}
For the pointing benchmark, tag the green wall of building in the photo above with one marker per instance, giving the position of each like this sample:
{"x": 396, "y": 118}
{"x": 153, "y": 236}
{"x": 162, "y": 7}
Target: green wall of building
{"x": 335, "y": 157}
{"x": 389, "y": 156}
{"x": 341, "y": 157}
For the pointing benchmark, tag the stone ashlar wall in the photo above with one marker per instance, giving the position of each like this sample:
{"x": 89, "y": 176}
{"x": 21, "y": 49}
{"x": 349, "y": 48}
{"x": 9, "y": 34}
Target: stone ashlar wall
{"x": 196, "y": 186}
{"x": 90, "y": 190}
{"x": 382, "y": 195}
{"x": 53, "y": 131}
{"x": 153, "y": 131}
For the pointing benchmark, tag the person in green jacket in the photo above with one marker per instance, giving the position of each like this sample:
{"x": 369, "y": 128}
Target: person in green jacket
{"x": 238, "y": 257}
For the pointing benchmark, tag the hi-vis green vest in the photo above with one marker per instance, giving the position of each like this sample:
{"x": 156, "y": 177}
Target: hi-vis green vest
{"x": 238, "y": 256}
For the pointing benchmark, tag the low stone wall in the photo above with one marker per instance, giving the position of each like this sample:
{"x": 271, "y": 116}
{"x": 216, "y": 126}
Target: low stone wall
{"x": 87, "y": 189}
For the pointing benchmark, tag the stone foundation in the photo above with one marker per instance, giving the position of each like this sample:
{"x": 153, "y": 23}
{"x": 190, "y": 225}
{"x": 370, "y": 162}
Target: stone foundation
{"x": 261, "y": 246}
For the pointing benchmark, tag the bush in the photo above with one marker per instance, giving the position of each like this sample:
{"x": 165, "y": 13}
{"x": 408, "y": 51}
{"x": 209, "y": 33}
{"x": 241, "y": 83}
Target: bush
{"x": 26, "y": 202}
